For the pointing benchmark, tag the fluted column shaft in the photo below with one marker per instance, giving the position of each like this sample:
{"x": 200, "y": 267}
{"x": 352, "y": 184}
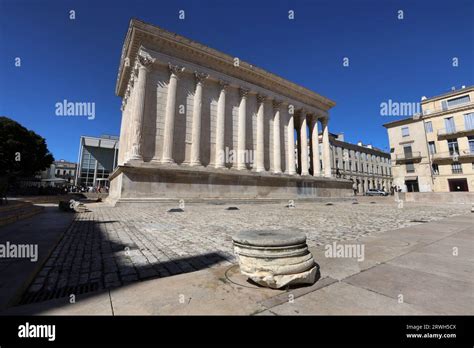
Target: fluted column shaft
{"x": 291, "y": 144}
{"x": 220, "y": 127}
{"x": 196, "y": 125}
{"x": 304, "y": 144}
{"x": 276, "y": 138}
{"x": 167, "y": 156}
{"x": 326, "y": 149}
{"x": 143, "y": 64}
{"x": 241, "y": 131}
{"x": 315, "y": 146}
{"x": 260, "y": 161}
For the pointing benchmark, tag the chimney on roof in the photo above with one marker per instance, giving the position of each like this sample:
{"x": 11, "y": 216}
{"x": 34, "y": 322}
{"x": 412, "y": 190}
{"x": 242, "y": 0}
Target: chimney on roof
{"x": 359, "y": 143}
{"x": 423, "y": 98}
{"x": 369, "y": 146}
{"x": 340, "y": 137}
{"x": 453, "y": 88}
{"x": 463, "y": 86}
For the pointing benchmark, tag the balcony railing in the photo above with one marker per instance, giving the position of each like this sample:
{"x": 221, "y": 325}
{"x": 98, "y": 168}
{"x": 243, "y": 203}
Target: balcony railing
{"x": 452, "y": 108}
{"x": 457, "y": 129}
{"x": 413, "y": 156}
{"x": 453, "y": 156}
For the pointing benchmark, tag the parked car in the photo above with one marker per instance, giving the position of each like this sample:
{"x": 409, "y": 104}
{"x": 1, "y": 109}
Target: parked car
{"x": 376, "y": 192}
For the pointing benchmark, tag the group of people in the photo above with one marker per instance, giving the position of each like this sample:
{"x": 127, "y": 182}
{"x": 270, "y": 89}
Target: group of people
{"x": 83, "y": 188}
{"x": 394, "y": 189}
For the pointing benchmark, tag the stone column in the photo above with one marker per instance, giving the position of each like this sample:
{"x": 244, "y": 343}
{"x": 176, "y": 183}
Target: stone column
{"x": 220, "y": 127}
{"x": 326, "y": 149}
{"x": 170, "y": 114}
{"x": 315, "y": 146}
{"x": 196, "y": 127}
{"x": 304, "y": 143}
{"x": 276, "y": 138}
{"x": 241, "y": 135}
{"x": 260, "y": 161}
{"x": 142, "y": 65}
{"x": 291, "y": 143}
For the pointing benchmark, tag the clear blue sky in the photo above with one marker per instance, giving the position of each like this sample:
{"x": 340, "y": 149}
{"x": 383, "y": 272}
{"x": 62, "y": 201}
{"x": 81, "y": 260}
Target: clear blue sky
{"x": 78, "y": 59}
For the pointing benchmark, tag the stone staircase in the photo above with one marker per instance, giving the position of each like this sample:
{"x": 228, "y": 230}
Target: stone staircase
{"x": 17, "y": 210}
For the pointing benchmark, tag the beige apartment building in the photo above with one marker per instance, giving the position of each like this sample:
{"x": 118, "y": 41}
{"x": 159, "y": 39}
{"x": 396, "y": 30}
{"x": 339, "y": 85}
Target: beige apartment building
{"x": 434, "y": 151}
{"x": 365, "y": 165}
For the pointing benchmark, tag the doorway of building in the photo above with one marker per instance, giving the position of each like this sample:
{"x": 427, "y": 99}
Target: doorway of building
{"x": 458, "y": 185}
{"x": 412, "y": 185}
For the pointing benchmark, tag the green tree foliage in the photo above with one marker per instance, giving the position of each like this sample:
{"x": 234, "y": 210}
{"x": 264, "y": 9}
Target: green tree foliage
{"x": 23, "y": 153}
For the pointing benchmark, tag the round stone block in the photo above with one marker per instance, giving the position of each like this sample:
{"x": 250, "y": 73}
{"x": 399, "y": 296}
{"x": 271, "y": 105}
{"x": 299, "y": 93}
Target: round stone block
{"x": 275, "y": 258}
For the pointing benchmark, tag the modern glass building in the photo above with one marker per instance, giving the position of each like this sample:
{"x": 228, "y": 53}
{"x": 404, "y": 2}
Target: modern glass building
{"x": 97, "y": 159}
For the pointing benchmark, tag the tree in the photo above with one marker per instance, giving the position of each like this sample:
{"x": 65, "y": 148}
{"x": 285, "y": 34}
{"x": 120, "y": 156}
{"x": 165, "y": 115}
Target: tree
{"x": 23, "y": 153}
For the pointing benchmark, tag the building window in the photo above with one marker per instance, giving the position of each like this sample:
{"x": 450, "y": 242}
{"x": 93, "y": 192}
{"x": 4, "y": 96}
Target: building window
{"x": 432, "y": 147}
{"x": 470, "y": 139}
{"x": 453, "y": 147}
{"x": 451, "y": 103}
{"x": 449, "y": 125}
{"x": 456, "y": 168}
{"x": 435, "y": 169}
{"x": 469, "y": 121}
{"x": 356, "y": 167}
{"x": 429, "y": 127}
{"x": 410, "y": 167}
{"x": 407, "y": 151}
{"x": 405, "y": 132}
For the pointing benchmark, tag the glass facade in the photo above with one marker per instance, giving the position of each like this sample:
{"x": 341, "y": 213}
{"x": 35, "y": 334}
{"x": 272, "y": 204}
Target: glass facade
{"x": 95, "y": 163}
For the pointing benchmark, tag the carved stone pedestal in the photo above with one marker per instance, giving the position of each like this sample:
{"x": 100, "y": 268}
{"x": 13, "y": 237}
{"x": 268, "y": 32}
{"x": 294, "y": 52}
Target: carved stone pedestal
{"x": 275, "y": 258}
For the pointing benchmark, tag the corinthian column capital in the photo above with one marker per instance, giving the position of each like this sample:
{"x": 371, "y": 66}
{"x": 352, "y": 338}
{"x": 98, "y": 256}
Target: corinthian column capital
{"x": 261, "y": 98}
{"x": 175, "y": 69}
{"x": 200, "y": 76}
{"x": 277, "y": 104}
{"x": 144, "y": 60}
{"x": 223, "y": 84}
{"x": 243, "y": 92}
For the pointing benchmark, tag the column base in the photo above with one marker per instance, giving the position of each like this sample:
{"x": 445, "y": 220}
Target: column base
{"x": 168, "y": 161}
{"x": 136, "y": 158}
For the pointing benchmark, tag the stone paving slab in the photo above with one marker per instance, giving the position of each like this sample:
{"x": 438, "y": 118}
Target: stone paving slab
{"x": 345, "y": 299}
{"x": 430, "y": 292}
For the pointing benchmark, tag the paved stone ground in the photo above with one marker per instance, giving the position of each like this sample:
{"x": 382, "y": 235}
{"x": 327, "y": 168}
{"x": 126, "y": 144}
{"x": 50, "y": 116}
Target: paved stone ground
{"x": 110, "y": 247}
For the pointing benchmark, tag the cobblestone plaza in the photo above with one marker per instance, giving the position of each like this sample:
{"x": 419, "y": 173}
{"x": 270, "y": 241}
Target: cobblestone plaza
{"x": 110, "y": 247}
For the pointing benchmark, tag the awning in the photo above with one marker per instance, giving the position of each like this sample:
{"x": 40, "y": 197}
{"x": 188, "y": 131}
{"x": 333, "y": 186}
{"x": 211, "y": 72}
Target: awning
{"x": 411, "y": 178}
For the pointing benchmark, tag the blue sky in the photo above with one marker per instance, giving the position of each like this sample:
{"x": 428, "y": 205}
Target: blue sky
{"x": 389, "y": 58}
